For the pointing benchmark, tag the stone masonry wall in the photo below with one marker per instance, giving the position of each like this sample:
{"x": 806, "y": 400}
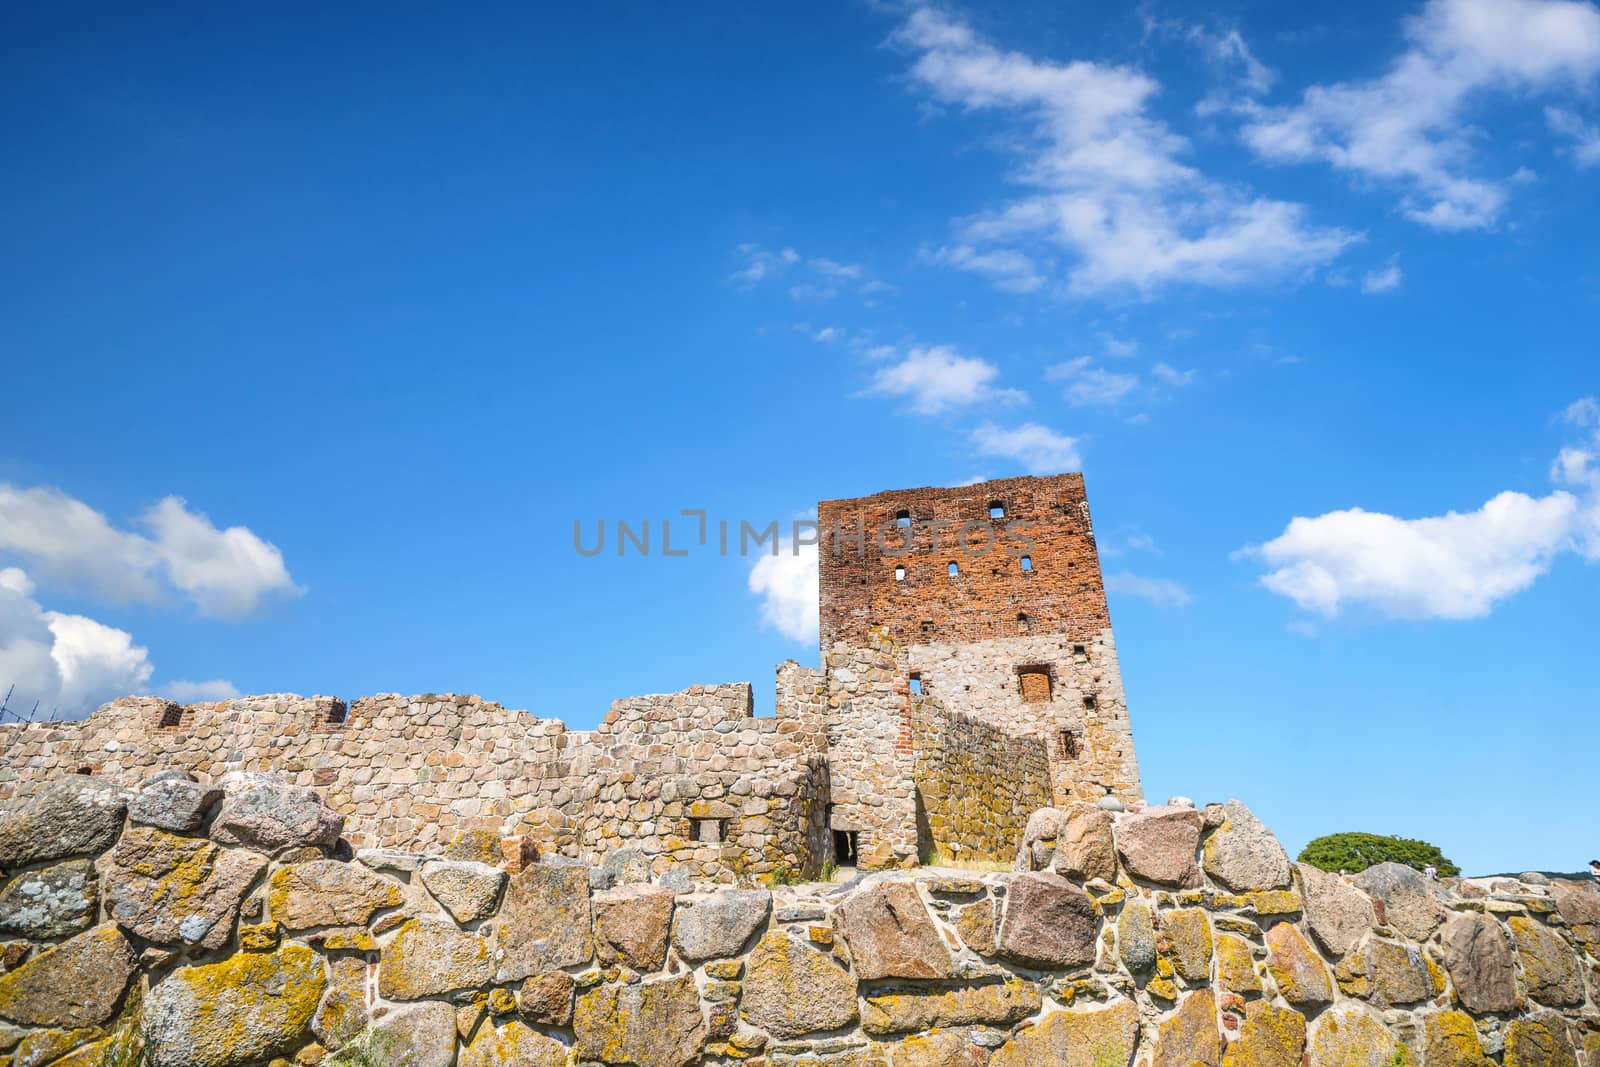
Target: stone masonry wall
{"x": 214, "y": 926}
{"x": 691, "y": 778}
{"x": 870, "y": 753}
{"x": 976, "y": 784}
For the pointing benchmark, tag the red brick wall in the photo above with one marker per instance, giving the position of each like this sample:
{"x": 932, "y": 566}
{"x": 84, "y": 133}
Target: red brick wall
{"x": 1062, "y": 594}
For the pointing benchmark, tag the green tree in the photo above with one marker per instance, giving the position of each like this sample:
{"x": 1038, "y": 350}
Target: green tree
{"x": 1354, "y": 852}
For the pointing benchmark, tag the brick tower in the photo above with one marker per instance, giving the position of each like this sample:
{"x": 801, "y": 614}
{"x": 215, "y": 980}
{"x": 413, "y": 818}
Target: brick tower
{"x": 986, "y": 600}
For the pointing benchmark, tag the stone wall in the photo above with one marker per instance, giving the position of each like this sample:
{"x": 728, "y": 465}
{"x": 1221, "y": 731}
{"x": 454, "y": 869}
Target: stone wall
{"x": 215, "y": 927}
{"x": 976, "y": 784}
{"x": 692, "y": 778}
{"x": 870, "y": 753}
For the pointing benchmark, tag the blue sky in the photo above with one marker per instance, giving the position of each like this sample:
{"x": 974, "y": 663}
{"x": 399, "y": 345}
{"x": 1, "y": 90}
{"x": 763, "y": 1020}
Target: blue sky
{"x": 321, "y": 330}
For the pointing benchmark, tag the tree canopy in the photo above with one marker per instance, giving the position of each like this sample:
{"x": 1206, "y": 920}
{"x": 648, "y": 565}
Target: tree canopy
{"x": 1354, "y": 852}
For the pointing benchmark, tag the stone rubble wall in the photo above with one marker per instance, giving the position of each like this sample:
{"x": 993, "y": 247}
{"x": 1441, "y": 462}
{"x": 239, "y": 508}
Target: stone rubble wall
{"x": 976, "y": 784}
{"x": 870, "y": 753}
{"x": 216, "y": 926}
{"x": 410, "y": 772}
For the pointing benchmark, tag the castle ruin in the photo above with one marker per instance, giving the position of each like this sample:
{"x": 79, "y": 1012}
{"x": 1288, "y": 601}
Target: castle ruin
{"x": 968, "y": 677}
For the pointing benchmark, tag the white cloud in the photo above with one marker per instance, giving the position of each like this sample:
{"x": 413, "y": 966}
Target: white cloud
{"x": 1452, "y": 566}
{"x": 760, "y": 264}
{"x": 824, "y": 278}
{"x": 787, "y": 586}
{"x": 1090, "y": 385}
{"x": 196, "y": 692}
{"x": 222, "y": 572}
{"x": 1122, "y": 349}
{"x": 1408, "y": 127}
{"x": 1010, "y": 270}
{"x": 1104, "y": 177}
{"x": 68, "y": 664}
{"x": 1039, "y": 449}
{"x": 1585, "y": 137}
{"x": 937, "y": 379}
{"x": 1167, "y": 374}
{"x": 1383, "y": 279}
{"x": 1162, "y": 592}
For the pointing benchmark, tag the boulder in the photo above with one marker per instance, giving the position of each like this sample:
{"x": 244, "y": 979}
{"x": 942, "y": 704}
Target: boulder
{"x": 791, "y": 988}
{"x": 1039, "y": 840}
{"x": 1189, "y": 1036}
{"x": 1048, "y": 922}
{"x": 431, "y": 957}
{"x": 475, "y": 846}
{"x": 328, "y": 893}
{"x": 1580, "y": 910}
{"x": 1351, "y": 1036}
{"x": 342, "y": 1013}
{"x": 469, "y": 890}
{"x": 1136, "y": 937}
{"x": 946, "y": 1049}
{"x": 1300, "y": 973}
{"x": 513, "y": 1044}
{"x": 72, "y": 816}
{"x": 77, "y": 983}
{"x": 975, "y": 926}
{"x": 1477, "y": 953}
{"x": 918, "y": 1008}
{"x": 631, "y": 925}
{"x": 654, "y": 1023}
{"x": 891, "y": 934}
{"x": 413, "y": 1035}
{"x": 718, "y": 926}
{"x": 1539, "y": 1041}
{"x": 1270, "y": 1036}
{"x": 1337, "y": 913}
{"x": 545, "y": 921}
{"x": 51, "y": 903}
{"x": 1159, "y": 846}
{"x": 243, "y": 1010}
{"x": 178, "y": 890}
{"x": 546, "y": 999}
{"x": 173, "y": 804}
{"x": 49, "y": 1046}
{"x": 1552, "y": 970}
{"x": 1386, "y": 973}
{"x": 276, "y": 818}
{"x": 1188, "y": 935}
{"x": 1406, "y": 898}
{"x": 1086, "y": 848}
{"x": 1101, "y": 1038}
{"x": 1236, "y": 966}
{"x": 1450, "y": 1040}
{"x": 1243, "y": 855}
{"x": 627, "y": 866}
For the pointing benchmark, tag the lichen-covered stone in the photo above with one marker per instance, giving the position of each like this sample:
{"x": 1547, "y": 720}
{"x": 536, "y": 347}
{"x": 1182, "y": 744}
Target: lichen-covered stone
{"x": 1337, "y": 913}
{"x": 718, "y": 926}
{"x": 432, "y": 957}
{"x": 1159, "y": 846}
{"x": 1450, "y": 1040}
{"x": 1269, "y": 1037}
{"x": 1086, "y": 849}
{"x": 1105, "y": 1037}
{"x": 654, "y": 1023}
{"x": 546, "y": 999}
{"x": 1351, "y": 1036}
{"x": 1552, "y": 971}
{"x": 975, "y": 926}
{"x": 1187, "y": 932}
{"x": 1136, "y": 937}
{"x": 514, "y": 1044}
{"x": 1301, "y": 976}
{"x": 1477, "y": 953}
{"x": 906, "y": 1010}
{"x": 178, "y": 890}
{"x": 1236, "y": 969}
{"x": 939, "y": 1049}
{"x": 1539, "y": 1041}
{"x": 1385, "y": 973}
{"x": 545, "y": 921}
{"x": 791, "y": 988}
{"x": 342, "y": 1012}
{"x": 54, "y": 902}
{"x": 328, "y": 893}
{"x": 1039, "y": 839}
{"x": 173, "y": 804}
{"x": 413, "y": 1035}
{"x": 74, "y": 984}
{"x": 241, "y": 1010}
{"x": 1580, "y": 910}
{"x": 891, "y": 935}
{"x": 1189, "y": 1036}
{"x": 1048, "y": 922}
{"x": 1243, "y": 854}
{"x": 72, "y": 816}
{"x": 1406, "y": 898}
{"x": 273, "y": 819}
{"x": 468, "y": 890}
{"x": 48, "y": 1046}
{"x": 631, "y": 924}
